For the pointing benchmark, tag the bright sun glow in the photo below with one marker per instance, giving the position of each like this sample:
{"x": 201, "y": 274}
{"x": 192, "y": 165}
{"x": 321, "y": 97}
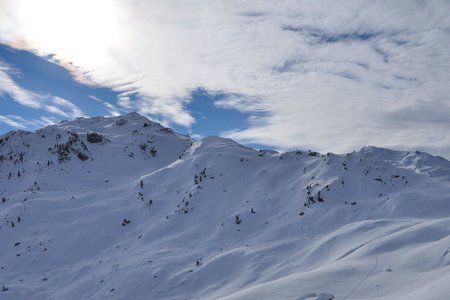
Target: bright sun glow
{"x": 78, "y": 30}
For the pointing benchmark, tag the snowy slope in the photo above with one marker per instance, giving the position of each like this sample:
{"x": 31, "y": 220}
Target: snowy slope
{"x": 123, "y": 208}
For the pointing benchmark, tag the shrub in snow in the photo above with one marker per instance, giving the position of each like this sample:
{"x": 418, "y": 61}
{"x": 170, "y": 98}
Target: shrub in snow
{"x": 82, "y": 156}
{"x": 121, "y": 122}
{"x": 237, "y": 219}
{"x": 143, "y": 146}
{"x": 93, "y": 137}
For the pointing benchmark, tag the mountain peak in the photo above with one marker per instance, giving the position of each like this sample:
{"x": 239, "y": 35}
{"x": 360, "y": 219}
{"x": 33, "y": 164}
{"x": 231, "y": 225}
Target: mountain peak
{"x": 130, "y": 120}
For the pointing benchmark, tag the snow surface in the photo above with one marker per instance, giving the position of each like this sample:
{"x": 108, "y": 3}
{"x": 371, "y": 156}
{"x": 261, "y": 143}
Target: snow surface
{"x": 146, "y": 213}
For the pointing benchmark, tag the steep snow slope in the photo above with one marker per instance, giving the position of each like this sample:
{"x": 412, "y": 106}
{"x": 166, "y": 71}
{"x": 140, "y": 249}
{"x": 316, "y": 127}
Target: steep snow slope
{"x": 123, "y": 208}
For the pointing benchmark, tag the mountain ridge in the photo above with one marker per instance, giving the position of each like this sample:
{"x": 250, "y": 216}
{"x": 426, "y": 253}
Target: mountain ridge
{"x": 122, "y": 207}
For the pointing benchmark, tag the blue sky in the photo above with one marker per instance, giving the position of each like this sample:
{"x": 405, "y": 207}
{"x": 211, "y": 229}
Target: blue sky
{"x": 320, "y": 75}
{"x": 47, "y": 78}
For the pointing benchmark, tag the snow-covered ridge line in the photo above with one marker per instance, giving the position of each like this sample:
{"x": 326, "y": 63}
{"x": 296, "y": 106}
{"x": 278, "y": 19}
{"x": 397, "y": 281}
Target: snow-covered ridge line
{"x": 124, "y": 208}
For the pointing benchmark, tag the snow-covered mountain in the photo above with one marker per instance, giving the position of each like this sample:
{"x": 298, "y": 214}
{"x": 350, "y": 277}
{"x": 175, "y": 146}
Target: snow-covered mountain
{"x": 124, "y": 208}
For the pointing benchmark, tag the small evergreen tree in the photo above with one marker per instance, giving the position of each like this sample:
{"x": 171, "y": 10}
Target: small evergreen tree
{"x": 237, "y": 219}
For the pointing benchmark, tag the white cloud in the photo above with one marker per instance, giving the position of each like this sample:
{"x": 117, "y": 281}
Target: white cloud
{"x": 52, "y": 104}
{"x": 113, "y": 110}
{"x": 64, "y": 108}
{"x": 45, "y": 121}
{"x": 20, "y": 95}
{"x": 328, "y": 75}
{"x": 14, "y": 121}
{"x": 19, "y": 122}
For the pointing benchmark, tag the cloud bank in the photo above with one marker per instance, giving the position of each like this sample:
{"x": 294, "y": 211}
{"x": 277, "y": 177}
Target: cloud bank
{"x": 325, "y": 75}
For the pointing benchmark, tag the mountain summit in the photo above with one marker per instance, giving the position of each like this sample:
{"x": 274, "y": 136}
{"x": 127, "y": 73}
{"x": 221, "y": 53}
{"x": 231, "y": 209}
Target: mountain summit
{"x": 125, "y": 208}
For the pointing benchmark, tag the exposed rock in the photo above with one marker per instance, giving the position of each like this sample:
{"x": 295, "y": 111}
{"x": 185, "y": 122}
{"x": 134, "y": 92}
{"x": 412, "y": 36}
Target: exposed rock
{"x": 94, "y": 138}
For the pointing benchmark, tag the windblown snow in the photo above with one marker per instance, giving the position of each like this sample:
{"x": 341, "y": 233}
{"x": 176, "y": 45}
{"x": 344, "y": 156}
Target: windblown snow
{"x": 124, "y": 208}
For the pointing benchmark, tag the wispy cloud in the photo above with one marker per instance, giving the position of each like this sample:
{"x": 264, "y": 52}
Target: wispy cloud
{"x": 8, "y": 86}
{"x": 45, "y": 121}
{"x": 19, "y": 122}
{"x": 113, "y": 110}
{"x": 52, "y": 104}
{"x": 319, "y": 74}
{"x": 65, "y": 107}
{"x": 14, "y": 121}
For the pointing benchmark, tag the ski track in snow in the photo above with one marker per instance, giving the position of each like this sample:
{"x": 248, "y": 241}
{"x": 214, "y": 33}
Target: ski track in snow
{"x": 364, "y": 279}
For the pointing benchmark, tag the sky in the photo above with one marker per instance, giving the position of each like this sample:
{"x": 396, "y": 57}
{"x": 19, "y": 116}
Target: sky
{"x": 331, "y": 76}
